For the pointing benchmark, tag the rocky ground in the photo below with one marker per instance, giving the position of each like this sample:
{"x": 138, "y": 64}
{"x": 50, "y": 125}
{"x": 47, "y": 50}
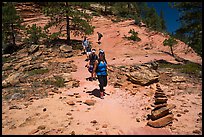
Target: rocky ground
{"x": 46, "y": 91}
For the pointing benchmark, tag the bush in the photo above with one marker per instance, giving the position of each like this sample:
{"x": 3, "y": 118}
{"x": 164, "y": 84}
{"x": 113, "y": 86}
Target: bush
{"x": 133, "y": 35}
{"x": 58, "y": 82}
{"x": 38, "y": 71}
{"x": 189, "y": 68}
{"x": 35, "y": 33}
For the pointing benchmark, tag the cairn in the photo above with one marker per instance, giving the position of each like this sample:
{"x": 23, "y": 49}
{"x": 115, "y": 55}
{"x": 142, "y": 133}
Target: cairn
{"x": 160, "y": 115}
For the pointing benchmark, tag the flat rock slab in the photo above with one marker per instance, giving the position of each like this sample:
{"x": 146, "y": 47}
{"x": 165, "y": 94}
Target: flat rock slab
{"x": 70, "y": 102}
{"x": 160, "y": 100}
{"x": 162, "y": 122}
{"x": 159, "y": 106}
{"x": 90, "y": 102}
{"x": 156, "y": 114}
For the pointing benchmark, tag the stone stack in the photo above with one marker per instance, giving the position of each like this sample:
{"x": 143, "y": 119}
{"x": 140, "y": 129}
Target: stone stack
{"x": 160, "y": 115}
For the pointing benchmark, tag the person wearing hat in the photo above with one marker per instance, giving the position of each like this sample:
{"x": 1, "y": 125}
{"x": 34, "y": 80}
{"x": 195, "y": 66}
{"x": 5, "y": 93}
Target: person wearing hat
{"x": 90, "y": 65}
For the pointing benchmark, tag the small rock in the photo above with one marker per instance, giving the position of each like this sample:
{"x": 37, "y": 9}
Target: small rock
{"x": 69, "y": 114}
{"x": 77, "y": 96}
{"x": 196, "y": 131}
{"x": 33, "y": 131}
{"x": 51, "y": 93}
{"x": 138, "y": 119}
{"x": 178, "y": 79}
{"x": 70, "y": 102}
{"x": 15, "y": 107}
{"x": 113, "y": 58}
{"x": 94, "y": 121}
{"x": 186, "y": 110}
{"x": 41, "y": 127}
{"x": 90, "y": 102}
{"x": 97, "y": 128}
{"x": 70, "y": 118}
{"x": 72, "y": 133}
{"x": 178, "y": 115}
{"x": 44, "y": 109}
{"x": 104, "y": 126}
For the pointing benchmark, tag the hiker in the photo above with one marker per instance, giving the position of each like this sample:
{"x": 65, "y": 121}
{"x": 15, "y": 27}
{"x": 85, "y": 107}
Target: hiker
{"x": 85, "y": 43}
{"x": 88, "y": 52}
{"x": 100, "y": 67}
{"x": 90, "y": 65}
{"x": 99, "y": 37}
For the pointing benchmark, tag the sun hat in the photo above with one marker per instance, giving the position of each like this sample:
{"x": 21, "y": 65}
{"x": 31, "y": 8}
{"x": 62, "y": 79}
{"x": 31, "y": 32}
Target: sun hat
{"x": 93, "y": 50}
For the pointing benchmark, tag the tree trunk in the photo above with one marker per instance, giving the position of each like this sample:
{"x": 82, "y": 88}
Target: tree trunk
{"x": 13, "y": 35}
{"x": 172, "y": 51}
{"x": 68, "y": 27}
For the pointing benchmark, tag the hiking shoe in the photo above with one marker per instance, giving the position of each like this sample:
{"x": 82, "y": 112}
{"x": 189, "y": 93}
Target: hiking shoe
{"x": 101, "y": 95}
{"x": 94, "y": 79}
{"x": 90, "y": 79}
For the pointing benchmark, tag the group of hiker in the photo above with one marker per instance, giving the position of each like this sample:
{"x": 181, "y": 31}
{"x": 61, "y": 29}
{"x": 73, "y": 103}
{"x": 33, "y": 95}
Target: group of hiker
{"x": 96, "y": 64}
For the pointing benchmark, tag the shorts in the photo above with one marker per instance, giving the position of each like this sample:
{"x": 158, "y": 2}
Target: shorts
{"x": 88, "y": 53}
{"x": 90, "y": 69}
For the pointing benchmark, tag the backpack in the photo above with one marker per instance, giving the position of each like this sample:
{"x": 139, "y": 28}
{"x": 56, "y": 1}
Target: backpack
{"x": 93, "y": 58}
{"x": 100, "y": 35}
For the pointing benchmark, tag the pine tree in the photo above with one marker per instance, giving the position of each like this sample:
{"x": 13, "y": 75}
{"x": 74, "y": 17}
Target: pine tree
{"x": 11, "y": 23}
{"x": 170, "y": 42}
{"x": 77, "y": 21}
{"x": 191, "y": 23}
{"x": 163, "y": 23}
{"x": 152, "y": 20}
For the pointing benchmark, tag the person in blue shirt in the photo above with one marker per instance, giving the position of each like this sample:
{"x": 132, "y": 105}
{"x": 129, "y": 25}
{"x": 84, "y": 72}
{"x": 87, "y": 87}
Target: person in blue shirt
{"x": 100, "y": 67}
{"x": 85, "y": 44}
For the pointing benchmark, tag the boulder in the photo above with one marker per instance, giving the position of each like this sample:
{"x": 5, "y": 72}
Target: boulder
{"x": 11, "y": 80}
{"x": 158, "y": 113}
{"x": 33, "y": 49}
{"x": 164, "y": 121}
{"x": 6, "y": 66}
{"x": 143, "y": 75}
{"x": 65, "y": 49}
{"x": 178, "y": 79}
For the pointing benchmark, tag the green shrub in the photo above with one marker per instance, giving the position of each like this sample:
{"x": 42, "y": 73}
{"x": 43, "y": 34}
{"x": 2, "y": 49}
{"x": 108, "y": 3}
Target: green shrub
{"x": 95, "y": 14}
{"x": 189, "y": 68}
{"x": 38, "y": 71}
{"x": 34, "y": 33}
{"x": 133, "y": 35}
{"x": 58, "y": 81}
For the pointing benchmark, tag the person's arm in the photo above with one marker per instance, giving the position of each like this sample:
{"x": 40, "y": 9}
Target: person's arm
{"x": 108, "y": 68}
{"x": 95, "y": 65}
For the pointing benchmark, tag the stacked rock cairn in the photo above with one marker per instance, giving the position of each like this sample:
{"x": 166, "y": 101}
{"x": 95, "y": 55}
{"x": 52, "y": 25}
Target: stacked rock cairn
{"x": 160, "y": 115}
